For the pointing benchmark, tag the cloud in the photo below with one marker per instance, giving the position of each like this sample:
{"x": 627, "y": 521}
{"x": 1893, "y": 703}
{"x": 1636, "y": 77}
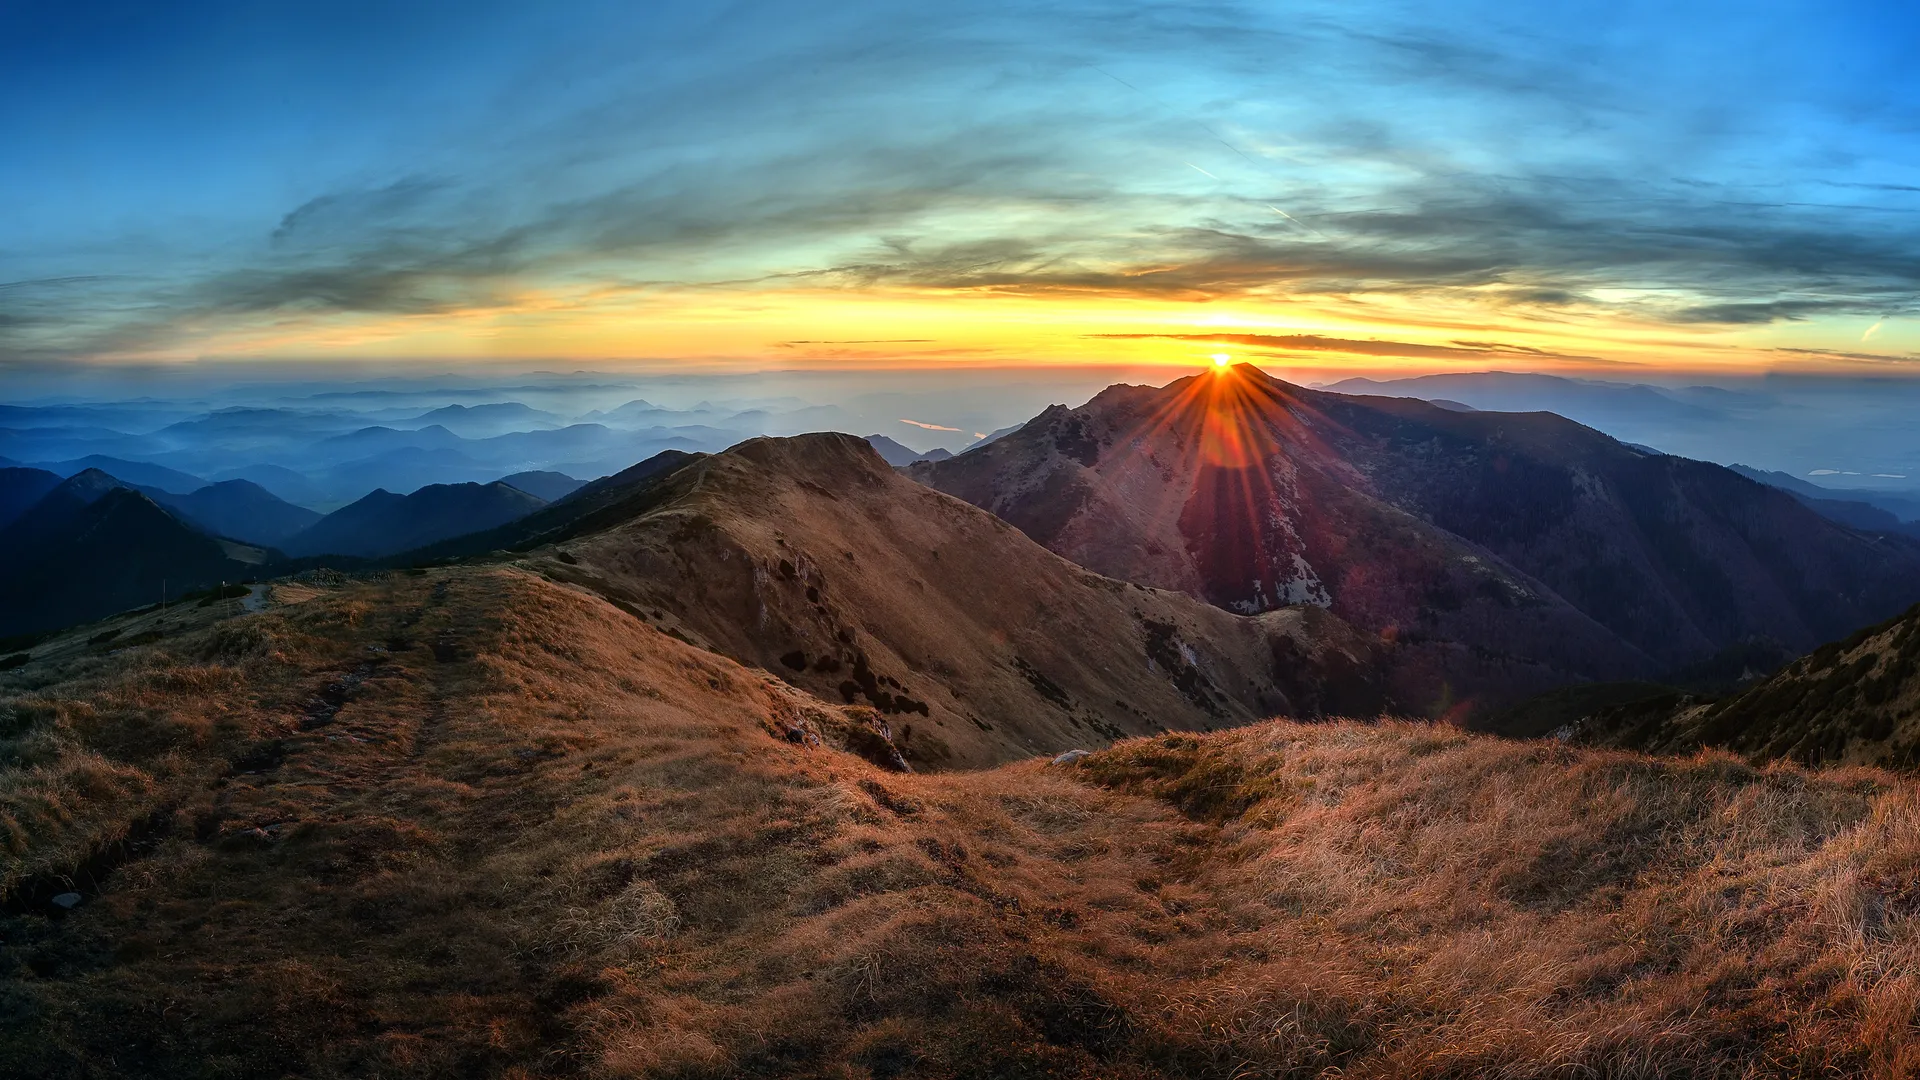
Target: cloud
{"x": 1367, "y": 347}
{"x": 1760, "y": 312}
{"x": 929, "y": 427}
{"x": 1512, "y": 163}
{"x": 1841, "y": 354}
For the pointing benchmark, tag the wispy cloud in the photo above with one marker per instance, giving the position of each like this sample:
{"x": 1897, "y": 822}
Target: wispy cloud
{"x": 1284, "y": 343}
{"x": 1520, "y": 172}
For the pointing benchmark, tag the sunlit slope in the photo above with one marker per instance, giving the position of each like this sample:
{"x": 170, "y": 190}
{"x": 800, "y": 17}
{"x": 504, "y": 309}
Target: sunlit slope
{"x": 811, "y": 558}
{"x": 473, "y": 823}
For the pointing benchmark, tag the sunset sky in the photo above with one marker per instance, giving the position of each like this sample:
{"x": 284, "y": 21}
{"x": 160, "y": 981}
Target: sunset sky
{"x": 1341, "y": 186}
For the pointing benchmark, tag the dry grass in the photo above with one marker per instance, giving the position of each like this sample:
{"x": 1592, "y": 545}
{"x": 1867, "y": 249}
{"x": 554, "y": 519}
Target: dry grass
{"x": 547, "y": 840}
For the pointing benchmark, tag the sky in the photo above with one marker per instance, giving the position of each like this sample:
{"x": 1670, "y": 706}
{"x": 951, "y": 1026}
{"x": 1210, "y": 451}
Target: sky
{"x": 1351, "y": 187}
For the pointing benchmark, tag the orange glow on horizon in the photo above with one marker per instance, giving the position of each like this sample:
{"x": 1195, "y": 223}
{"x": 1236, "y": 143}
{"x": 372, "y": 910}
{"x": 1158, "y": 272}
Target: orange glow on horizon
{"x": 901, "y": 328}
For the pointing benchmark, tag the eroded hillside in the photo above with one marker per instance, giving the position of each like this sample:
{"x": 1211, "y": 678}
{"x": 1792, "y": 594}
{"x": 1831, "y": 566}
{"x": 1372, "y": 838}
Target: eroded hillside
{"x": 471, "y": 822}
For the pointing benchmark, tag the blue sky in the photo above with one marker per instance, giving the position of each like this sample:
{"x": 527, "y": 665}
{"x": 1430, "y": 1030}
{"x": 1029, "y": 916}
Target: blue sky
{"x": 1559, "y": 186}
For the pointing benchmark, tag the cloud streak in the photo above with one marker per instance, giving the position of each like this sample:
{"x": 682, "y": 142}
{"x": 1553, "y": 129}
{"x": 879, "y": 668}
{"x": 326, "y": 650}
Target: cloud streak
{"x": 1080, "y": 153}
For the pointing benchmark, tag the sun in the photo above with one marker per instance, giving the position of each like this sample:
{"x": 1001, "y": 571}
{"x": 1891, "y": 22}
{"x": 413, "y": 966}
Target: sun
{"x": 1221, "y": 359}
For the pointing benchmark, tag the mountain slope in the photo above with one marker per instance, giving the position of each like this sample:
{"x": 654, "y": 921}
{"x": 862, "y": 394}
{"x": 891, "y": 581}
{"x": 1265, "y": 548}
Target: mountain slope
{"x": 1526, "y": 533}
{"x": 1831, "y": 504}
{"x": 898, "y": 454}
{"x": 472, "y": 823}
{"x": 383, "y": 523}
{"x": 544, "y": 485}
{"x": 588, "y": 508}
{"x": 21, "y": 488}
{"x": 240, "y": 509}
{"x": 1855, "y": 701}
{"x": 483, "y": 420}
{"x": 92, "y": 547}
{"x": 811, "y": 558}
{"x": 133, "y": 472}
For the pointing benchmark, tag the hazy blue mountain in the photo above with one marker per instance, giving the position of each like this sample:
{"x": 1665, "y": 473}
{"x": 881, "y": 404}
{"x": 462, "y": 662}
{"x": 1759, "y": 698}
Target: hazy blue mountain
{"x": 998, "y": 434}
{"x": 595, "y": 505}
{"x": 1847, "y": 508}
{"x": 66, "y": 443}
{"x": 93, "y": 546}
{"x": 294, "y": 487}
{"x": 21, "y": 488}
{"x": 377, "y": 440}
{"x": 407, "y": 469}
{"x": 479, "y": 421}
{"x": 132, "y": 472}
{"x": 240, "y": 510}
{"x": 897, "y": 454}
{"x": 250, "y": 424}
{"x": 1597, "y": 404}
{"x": 546, "y": 485}
{"x": 383, "y": 523}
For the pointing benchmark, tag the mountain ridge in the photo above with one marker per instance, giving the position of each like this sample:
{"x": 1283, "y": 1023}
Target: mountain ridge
{"x": 1522, "y": 532}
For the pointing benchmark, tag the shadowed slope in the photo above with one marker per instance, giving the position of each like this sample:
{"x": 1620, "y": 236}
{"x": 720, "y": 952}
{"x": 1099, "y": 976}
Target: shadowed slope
{"x": 473, "y": 823}
{"x": 1856, "y": 701}
{"x": 92, "y": 546}
{"x": 240, "y": 509}
{"x": 589, "y": 507}
{"x": 383, "y": 523}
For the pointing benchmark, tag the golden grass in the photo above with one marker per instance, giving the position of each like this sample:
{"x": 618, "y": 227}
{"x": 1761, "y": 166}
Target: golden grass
{"x": 546, "y": 840}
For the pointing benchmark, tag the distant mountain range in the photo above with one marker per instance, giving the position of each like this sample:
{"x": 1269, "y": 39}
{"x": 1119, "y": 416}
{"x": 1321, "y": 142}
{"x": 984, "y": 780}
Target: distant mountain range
{"x": 238, "y": 509}
{"x": 544, "y": 485}
{"x": 897, "y": 455}
{"x": 1483, "y": 555}
{"x": 384, "y": 523}
{"x": 92, "y": 546}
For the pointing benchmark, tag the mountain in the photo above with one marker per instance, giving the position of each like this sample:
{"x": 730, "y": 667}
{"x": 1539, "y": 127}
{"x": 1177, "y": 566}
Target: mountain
{"x": 93, "y": 546}
{"x": 471, "y": 822}
{"x": 1520, "y": 535}
{"x": 383, "y": 523}
{"x": 810, "y": 557}
{"x": 1854, "y": 701}
{"x": 235, "y": 509}
{"x": 369, "y": 441}
{"x": 284, "y": 483}
{"x": 241, "y": 510}
{"x": 590, "y": 507}
{"x": 477, "y": 421}
{"x": 1599, "y": 404}
{"x": 21, "y": 488}
{"x": 998, "y": 433}
{"x": 1830, "y": 504}
{"x": 544, "y": 485}
{"x": 899, "y": 455}
{"x": 133, "y": 472}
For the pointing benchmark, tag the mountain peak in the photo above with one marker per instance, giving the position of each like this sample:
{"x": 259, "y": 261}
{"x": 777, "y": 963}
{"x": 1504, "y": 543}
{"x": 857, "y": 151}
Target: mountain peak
{"x": 1475, "y": 532}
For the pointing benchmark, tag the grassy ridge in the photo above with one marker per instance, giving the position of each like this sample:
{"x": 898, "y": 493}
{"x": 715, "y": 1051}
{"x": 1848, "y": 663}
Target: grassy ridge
{"x": 472, "y": 823}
